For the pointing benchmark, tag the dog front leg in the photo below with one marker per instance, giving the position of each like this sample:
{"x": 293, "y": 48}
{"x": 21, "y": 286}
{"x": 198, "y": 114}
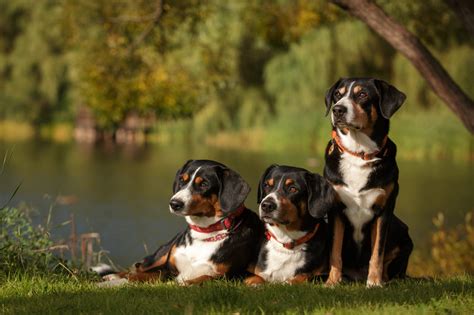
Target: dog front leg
{"x": 335, "y": 260}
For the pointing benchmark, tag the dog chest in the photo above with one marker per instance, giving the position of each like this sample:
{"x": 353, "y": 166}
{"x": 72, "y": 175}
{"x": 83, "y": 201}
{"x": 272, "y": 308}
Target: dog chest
{"x": 355, "y": 174}
{"x": 281, "y": 263}
{"x": 194, "y": 260}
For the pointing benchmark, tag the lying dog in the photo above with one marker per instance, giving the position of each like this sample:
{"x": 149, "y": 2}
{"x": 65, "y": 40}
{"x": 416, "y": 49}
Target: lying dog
{"x": 293, "y": 203}
{"x": 221, "y": 236}
{"x": 361, "y": 166}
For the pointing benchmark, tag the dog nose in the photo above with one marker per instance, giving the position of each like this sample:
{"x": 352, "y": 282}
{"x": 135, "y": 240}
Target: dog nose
{"x": 339, "y": 110}
{"x": 268, "y": 206}
{"x": 176, "y": 204}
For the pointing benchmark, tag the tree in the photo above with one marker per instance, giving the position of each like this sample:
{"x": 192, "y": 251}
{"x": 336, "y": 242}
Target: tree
{"x": 413, "y": 49}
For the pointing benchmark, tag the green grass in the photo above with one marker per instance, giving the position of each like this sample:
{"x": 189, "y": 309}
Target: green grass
{"x": 46, "y": 295}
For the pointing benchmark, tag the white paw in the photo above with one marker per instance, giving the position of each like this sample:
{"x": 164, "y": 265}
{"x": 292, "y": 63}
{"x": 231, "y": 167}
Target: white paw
{"x": 373, "y": 284}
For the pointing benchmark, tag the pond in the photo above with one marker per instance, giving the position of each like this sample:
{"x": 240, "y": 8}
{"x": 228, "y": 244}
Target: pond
{"x": 122, "y": 192}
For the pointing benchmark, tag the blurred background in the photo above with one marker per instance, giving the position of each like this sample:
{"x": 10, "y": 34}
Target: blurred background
{"x": 102, "y": 101}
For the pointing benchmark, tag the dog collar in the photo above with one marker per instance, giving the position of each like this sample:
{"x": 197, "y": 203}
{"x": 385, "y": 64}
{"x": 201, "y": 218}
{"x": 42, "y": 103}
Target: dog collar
{"x": 362, "y": 154}
{"x": 223, "y": 224}
{"x": 290, "y": 245}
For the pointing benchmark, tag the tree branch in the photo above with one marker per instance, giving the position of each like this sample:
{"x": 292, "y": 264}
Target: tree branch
{"x": 410, "y": 46}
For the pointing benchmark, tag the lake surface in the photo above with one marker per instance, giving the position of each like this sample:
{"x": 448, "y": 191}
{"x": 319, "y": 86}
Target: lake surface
{"x": 123, "y": 192}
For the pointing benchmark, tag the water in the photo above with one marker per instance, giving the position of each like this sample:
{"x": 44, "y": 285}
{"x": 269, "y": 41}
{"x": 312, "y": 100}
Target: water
{"x": 123, "y": 192}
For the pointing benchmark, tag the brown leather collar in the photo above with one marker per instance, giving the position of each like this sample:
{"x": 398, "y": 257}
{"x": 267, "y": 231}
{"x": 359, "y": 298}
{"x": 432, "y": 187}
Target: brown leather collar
{"x": 362, "y": 154}
{"x": 290, "y": 245}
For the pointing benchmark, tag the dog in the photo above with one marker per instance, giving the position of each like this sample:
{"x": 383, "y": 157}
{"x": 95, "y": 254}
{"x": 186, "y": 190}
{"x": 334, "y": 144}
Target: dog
{"x": 361, "y": 166}
{"x": 221, "y": 237}
{"x": 293, "y": 204}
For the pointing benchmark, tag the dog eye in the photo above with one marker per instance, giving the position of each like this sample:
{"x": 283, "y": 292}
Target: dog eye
{"x": 204, "y": 184}
{"x": 337, "y": 95}
{"x": 181, "y": 180}
{"x": 362, "y": 95}
{"x": 293, "y": 189}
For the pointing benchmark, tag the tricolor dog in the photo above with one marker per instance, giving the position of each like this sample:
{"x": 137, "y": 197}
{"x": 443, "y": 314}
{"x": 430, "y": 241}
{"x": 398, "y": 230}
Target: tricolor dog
{"x": 221, "y": 236}
{"x": 293, "y": 203}
{"x": 361, "y": 166}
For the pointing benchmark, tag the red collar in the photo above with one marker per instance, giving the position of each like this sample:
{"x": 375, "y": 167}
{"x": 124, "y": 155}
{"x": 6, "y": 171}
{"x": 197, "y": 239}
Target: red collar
{"x": 223, "y": 224}
{"x": 362, "y": 155}
{"x": 290, "y": 245}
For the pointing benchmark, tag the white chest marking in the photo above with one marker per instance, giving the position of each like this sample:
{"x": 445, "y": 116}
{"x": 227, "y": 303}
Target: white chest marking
{"x": 193, "y": 261}
{"x": 355, "y": 173}
{"x": 282, "y": 263}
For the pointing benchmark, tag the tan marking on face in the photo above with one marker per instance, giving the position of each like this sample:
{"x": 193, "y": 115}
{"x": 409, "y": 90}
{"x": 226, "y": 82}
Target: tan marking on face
{"x": 373, "y": 113}
{"x": 360, "y": 118}
{"x": 198, "y": 180}
{"x": 289, "y": 212}
{"x": 342, "y": 90}
{"x": 204, "y": 207}
{"x": 357, "y": 89}
{"x": 185, "y": 177}
{"x": 289, "y": 181}
{"x": 271, "y": 182}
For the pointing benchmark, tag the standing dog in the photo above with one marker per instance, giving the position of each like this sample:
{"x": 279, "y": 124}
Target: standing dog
{"x": 221, "y": 236}
{"x": 294, "y": 248}
{"x": 361, "y": 166}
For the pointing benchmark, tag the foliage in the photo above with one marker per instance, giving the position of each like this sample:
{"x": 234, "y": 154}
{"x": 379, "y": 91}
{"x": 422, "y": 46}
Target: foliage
{"x": 46, "y": 295}
{"x": 452, "y": 248}
{"x": 23, "y": 247}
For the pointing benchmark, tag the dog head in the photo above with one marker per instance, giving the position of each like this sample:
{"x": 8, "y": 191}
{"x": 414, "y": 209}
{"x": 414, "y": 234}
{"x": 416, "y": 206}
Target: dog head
{"x": 361, "y": 103}
{"x": 205, "y": 188}
{"x": 292, "y": 196}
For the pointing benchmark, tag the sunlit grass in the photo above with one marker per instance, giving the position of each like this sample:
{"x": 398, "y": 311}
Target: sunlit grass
{"x": 43, "y": 295}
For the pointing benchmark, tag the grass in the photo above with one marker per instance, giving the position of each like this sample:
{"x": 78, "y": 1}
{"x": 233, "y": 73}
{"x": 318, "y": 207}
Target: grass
{"x": 65, "y": 295}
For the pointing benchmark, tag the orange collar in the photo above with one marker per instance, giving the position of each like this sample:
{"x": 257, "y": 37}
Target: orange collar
{"x": 290, "y": 245}
{"x": 362, "y": 154}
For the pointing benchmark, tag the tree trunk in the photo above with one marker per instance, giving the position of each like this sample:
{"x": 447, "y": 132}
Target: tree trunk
{"x": 410, "y": 46}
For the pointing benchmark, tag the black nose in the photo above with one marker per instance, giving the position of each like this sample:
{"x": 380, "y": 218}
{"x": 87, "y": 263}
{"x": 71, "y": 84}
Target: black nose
{"x": 268, "y": 206}
{"x": 339, "y": 110}
{"x": 176, "y": 204}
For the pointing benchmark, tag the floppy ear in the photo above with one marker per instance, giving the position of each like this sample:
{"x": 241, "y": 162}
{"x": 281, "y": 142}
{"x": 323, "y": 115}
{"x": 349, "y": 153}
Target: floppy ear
{"x": 176, "y": 178}
{"x": 390, "y": 98}
{"x": 233, "y": 190}
{"x": 329, "y": 94}
{"x": 262, "y": 181}
{"x": 321, "y": 196}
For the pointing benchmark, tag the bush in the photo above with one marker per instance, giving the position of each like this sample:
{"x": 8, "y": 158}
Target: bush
{"x": 23, "y": 247}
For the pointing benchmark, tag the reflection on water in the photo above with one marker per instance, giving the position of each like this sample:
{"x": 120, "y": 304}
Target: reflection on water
{"x": 123, "y": 192}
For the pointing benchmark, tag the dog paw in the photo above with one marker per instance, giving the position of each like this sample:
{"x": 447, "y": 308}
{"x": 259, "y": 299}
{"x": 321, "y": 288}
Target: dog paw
{"x": 374, "y": 283}
{"x": 333, "y": 281}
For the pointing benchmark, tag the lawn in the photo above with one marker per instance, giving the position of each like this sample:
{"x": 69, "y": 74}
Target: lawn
{"x": 49, "y": 295}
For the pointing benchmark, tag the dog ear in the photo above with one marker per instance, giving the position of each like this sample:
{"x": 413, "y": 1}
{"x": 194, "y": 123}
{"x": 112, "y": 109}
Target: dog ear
{"x": 321, "y": 195}
{"x": 262, "y": 181}
{"x": 233, "y": 190}
{"x": 390, "y": 99}
{"x": 176, "y": 178}
{"x": 329, "y": 94}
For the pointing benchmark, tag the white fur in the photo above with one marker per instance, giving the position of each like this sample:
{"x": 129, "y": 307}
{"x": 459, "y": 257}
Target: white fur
{"x": 184, "y": 194}
{"x": 357, "y": 141}
{"x": 193, "y": 260}
{"x": 355, "y": 173}
{"x": 282, "y": 263}
{"x": 346, "y": 102}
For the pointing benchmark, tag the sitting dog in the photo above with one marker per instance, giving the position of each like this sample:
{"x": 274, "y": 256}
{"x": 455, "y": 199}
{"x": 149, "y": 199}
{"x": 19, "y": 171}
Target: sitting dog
{"x": 293, "y": 203}
{"x": 361, "y": 166}
{"x": 221, "y": 236}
